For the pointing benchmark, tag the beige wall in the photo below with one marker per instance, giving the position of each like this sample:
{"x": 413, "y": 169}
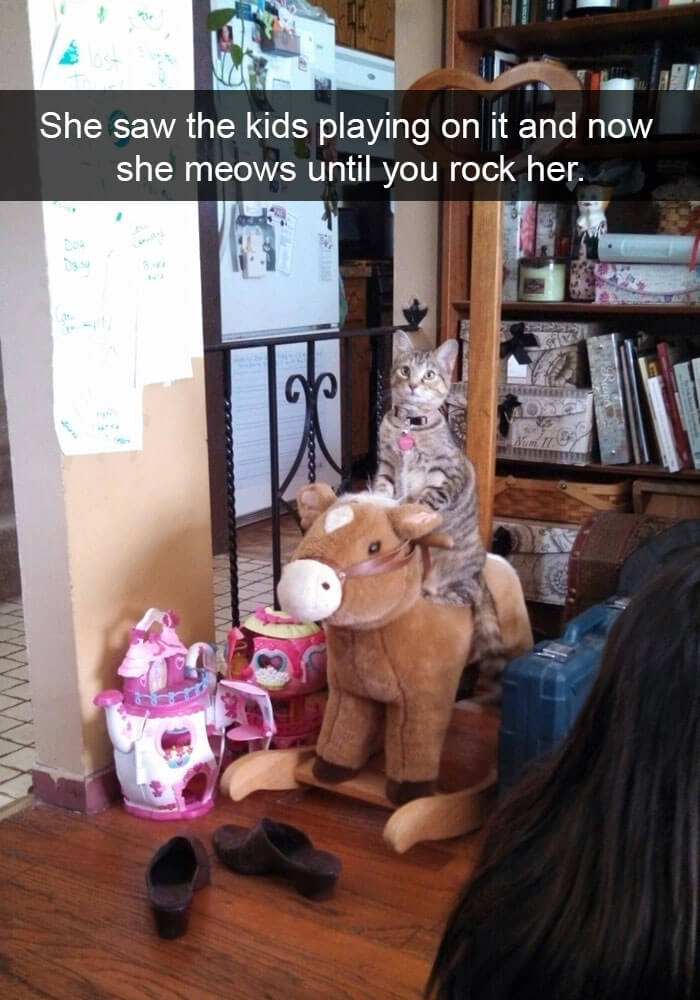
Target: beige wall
{"x": 139, "y": 536}
{"x": 418, "y": 51}
{"x": 102, "y": 537}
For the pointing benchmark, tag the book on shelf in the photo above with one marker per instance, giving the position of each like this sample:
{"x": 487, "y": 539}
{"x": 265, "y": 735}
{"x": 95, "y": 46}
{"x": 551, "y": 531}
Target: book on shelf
{"x": 662, "y": 421}
{"x": 678, "y": 76}
{"x": 671, "y": 398}
{"x": 690, "y": 406}
{"x": 608, "y": 398}
{"x": 522, "y": 11}
{"x": 656, "y": 451}
{"x": 635, "y": 408}
{"x": 629, "y": 408}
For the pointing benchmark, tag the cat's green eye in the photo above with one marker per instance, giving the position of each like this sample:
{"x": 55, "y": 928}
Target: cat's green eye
{"x": 374, "y": 548}
{"x": 405, "y": 371}
{"x": 429, "y": 375}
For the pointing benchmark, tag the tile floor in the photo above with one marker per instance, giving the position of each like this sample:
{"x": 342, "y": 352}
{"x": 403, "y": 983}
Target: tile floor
{"x": 16, "y": 730}
{"x": 254, "y": 589}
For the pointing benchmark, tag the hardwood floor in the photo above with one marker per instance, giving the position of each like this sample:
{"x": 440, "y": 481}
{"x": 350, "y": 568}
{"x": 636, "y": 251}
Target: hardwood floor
{"x": 255, "y": 540}
{"x": 77, "y": 924}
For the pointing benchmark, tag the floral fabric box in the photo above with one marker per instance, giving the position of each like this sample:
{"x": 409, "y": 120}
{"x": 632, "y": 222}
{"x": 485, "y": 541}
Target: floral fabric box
{"x": 539, "y": 551}
{"x": 539, "y": 352}
{"x": 519, "y": 221}
{"x": 536, "y": 423}
{"x": 646, "y": 283}
{"x": 545, "y": 424}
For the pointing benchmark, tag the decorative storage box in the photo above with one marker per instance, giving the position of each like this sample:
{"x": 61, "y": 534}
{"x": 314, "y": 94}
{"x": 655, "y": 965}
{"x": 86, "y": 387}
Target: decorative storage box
{"x": 546, "y": 424}
{"x": 539, "y": 552}
{"x": 555, "y": 348}
{"x": 558, "y": 499}
{"x": 646, "y": 283}
{"x": 457, "y": 410}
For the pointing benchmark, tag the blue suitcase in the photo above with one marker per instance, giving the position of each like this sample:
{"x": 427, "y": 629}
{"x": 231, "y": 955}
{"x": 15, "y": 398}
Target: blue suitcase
{"x": 544, "y": 688}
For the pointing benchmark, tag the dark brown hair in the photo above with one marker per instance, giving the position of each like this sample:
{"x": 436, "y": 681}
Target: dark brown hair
{"x": 588, "y": 885}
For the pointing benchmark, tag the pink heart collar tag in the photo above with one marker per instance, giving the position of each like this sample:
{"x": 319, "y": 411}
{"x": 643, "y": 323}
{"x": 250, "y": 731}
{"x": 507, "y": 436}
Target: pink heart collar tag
{"x": 406, "y": 441}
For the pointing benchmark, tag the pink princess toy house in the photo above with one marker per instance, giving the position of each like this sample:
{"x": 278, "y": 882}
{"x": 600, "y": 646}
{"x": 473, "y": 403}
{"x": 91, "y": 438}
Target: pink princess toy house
{"x": 287, "y": 659}
{"x": 160, "y": 724}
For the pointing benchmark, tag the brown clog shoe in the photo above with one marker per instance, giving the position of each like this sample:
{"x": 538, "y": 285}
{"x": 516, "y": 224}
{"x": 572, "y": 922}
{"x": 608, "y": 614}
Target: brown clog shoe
{"x": 272, "y": 848}
{"x": 176, "y": 870}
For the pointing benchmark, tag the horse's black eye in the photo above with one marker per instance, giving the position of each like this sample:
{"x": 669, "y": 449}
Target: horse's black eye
{"x": 374, "y": 548}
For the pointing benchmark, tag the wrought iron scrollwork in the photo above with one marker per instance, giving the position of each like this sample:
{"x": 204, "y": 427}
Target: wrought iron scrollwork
{"x": 312, "y": 433}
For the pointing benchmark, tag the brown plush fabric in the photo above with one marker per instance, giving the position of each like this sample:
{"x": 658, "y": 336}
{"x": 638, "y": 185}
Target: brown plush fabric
{"x": 394, "y": 658}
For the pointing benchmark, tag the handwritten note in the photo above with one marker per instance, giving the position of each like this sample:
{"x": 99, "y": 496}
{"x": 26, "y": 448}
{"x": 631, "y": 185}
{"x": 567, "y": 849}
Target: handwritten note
{"x": 123, "y": 279}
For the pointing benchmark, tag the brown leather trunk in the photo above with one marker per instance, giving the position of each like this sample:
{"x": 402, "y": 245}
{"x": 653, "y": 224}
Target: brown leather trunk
{"x": 605, "y": 540}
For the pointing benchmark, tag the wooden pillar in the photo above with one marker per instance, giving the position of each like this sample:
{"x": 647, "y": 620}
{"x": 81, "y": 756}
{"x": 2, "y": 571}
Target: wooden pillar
{"x": 484, "y": 339}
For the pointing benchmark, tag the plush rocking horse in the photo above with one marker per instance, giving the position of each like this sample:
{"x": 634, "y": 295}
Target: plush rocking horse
{"x": 394, "y": 660}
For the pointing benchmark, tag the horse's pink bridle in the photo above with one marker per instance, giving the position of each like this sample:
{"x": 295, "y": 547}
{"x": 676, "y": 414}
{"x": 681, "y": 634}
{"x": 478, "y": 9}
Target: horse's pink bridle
{"x": 385, "y": 562}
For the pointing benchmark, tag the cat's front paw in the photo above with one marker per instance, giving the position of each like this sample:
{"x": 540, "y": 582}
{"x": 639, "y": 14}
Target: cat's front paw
{"x": 450, "y": 597}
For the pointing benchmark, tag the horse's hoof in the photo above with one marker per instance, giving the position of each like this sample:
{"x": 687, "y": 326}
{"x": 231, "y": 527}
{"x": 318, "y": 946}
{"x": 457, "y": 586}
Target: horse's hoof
{"x": 325, "y": 770}
{"x": 400, "y": 792}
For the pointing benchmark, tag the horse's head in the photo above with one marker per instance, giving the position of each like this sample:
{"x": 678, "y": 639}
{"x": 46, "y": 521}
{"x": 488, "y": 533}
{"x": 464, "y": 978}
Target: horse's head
{"x": 358, "y": 564}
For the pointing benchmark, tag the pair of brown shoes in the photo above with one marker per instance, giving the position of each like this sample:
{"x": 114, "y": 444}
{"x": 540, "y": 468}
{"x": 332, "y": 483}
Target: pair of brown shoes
{"x": 181, "y": 866}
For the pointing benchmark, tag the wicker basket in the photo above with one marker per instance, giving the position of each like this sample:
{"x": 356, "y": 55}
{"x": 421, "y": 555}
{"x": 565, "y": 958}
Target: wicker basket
{"x": 674, "y": 216}
{"x": 560, "y": 500}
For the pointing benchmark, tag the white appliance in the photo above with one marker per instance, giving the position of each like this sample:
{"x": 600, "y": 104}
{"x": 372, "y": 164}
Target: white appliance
{"x": 278, "y": 260}
{"x": 365, "y": 85}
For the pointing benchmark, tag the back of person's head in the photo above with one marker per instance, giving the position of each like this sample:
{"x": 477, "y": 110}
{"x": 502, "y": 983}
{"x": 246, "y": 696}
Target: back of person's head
{"x": 588, "y": 886}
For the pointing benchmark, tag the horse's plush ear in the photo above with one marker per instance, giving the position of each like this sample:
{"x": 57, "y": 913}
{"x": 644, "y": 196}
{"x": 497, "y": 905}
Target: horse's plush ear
{"x": 413, "y": 520}
{"x": 312, "y": 500}
{"x": 438, "y": 540}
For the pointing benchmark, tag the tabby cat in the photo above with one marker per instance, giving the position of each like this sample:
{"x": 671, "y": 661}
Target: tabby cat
{"x": 420, "y": 461}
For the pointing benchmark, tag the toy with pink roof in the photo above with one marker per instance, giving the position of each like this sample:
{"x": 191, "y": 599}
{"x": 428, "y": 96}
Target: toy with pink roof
{"x": 158, "y": 724}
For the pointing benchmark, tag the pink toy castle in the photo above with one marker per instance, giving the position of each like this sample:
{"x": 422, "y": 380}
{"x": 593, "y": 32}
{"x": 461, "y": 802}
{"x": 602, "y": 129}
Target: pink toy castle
{"x": 161, "y": 723}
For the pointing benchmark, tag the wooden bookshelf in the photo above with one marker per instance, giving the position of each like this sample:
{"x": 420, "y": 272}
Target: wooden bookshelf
{"x": 586, "y": 309}
{"x": 595, "y": 470}
{"x": 470, "y": 231}
{"x": 619, "y": 31}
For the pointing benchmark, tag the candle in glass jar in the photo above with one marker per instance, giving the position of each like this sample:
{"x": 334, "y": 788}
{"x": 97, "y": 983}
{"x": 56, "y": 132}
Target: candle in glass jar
{"x": 542, "y": 279}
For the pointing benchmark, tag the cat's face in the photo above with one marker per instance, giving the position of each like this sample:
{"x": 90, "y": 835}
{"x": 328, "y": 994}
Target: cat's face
{"x": 421, "y": 380}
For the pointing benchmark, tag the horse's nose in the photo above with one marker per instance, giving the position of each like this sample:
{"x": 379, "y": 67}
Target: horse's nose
{"x": 309, "y": 590}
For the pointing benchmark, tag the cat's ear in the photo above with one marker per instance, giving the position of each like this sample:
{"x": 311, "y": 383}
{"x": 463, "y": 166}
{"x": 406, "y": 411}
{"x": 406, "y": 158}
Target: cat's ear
{"x": 403, "y": 343}
{"x": 446, "y": 355}
{"x": 312, "y": 500}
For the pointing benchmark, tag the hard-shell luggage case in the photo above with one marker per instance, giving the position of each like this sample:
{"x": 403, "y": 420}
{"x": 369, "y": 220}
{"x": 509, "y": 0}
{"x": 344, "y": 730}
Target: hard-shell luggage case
{"x": 544, "y": 688}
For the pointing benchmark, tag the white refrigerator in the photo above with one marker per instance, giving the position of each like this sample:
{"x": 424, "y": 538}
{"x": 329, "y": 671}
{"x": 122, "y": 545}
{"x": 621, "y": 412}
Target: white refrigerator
{"x": 278, "y": 259}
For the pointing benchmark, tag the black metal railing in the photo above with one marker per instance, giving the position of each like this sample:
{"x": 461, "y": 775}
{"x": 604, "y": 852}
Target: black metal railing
{"x": 306, "y": 387}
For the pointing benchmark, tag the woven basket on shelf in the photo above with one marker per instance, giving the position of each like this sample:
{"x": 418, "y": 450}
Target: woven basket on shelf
{"x": 559, "y": 500}
{"x": 675, "y": 216}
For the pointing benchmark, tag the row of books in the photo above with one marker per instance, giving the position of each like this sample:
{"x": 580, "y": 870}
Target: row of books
{"x": 646, "y": 395}
{"x": 504, "y": 13}
{"x": 680, "y": 76}
{"x": 666, "y": 91}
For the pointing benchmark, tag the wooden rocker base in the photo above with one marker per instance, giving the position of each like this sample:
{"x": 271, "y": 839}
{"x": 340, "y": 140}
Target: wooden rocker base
{"x": 451, "y": 812}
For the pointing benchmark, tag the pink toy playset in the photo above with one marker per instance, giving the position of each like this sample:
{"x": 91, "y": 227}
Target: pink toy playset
{"x": 169, "y": 716}
{"x": 158, "y": 725}
{"x": 287, "y": 658}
